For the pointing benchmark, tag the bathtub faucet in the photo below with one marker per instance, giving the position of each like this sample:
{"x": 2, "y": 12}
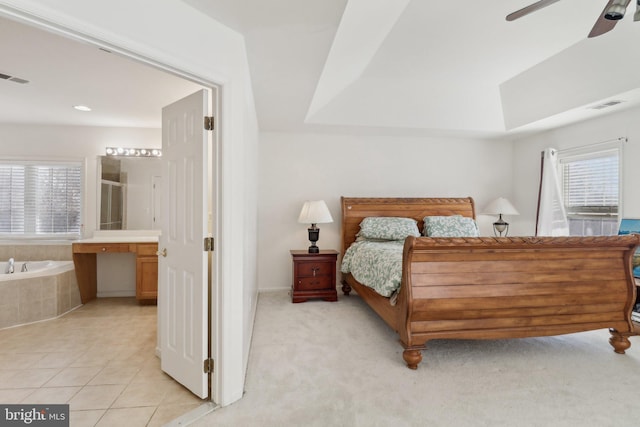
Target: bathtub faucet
{"x": 9, "y": 268}
{"x": 24, "y": 268}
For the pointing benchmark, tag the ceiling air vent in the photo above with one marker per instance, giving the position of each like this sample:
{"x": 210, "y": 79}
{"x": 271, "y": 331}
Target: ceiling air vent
{"x": 13, "y": 78}
{"x": 606, "y": 105}
{"x": 19, "y": 80}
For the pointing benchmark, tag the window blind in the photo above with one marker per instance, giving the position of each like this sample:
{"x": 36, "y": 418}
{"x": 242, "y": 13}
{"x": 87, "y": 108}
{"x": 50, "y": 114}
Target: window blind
{"x": 591, "y": 183}
{"x": 38, "y": 199}
{"x": 12, "y": 180}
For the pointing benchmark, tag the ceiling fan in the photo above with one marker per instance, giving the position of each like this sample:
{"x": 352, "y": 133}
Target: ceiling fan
{"x": 612, "y": 13}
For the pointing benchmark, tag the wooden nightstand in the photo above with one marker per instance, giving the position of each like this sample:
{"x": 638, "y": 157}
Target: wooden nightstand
{"x": 314, "y": 275}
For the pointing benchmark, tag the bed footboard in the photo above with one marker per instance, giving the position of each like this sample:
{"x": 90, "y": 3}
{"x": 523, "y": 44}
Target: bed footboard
{"x": 490, "y": 288}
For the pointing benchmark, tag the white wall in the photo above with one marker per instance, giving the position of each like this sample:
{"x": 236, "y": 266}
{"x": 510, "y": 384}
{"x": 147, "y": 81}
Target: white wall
{"x": 298, "y": 167}
{"x": 526, "y": 160}
{"x": 173, "y": 34}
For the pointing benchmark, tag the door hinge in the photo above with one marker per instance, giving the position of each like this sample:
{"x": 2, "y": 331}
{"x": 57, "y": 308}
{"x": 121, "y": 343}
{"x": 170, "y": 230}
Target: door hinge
{"x": 208, "y": 366}
{"x": 208, "y": 244}
{"x": 209, "y": 123}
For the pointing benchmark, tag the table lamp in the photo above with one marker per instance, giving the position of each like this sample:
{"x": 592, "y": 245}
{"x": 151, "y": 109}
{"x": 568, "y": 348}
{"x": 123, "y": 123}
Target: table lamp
{"x": 314, "y": 212}
{"x": 500, "y": 206}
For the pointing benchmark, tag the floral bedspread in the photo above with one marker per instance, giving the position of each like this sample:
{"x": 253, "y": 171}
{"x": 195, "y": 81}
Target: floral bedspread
{"x": 377, "y": 265}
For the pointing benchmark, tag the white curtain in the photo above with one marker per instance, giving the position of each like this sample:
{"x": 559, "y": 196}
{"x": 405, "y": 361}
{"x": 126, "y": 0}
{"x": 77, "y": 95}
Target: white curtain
{"x": 552, "y": 217}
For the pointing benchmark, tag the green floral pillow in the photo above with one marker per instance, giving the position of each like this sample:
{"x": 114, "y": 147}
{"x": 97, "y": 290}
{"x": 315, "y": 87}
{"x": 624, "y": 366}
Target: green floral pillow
{"x": 388, "y": 228}
{"x": 450, "y": 226}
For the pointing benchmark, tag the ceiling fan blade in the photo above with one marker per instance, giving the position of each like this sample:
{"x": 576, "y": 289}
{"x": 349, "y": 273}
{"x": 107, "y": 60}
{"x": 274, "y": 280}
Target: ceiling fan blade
{"x": 529, "y": 9}
{"x": 604, "y": 25}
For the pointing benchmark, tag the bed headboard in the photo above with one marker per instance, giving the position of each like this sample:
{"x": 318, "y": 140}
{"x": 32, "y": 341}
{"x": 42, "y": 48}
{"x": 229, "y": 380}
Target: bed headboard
{"x": 355, "y": 209}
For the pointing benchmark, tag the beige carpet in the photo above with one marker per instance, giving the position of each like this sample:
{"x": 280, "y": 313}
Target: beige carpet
{"x": 337, "y": 364}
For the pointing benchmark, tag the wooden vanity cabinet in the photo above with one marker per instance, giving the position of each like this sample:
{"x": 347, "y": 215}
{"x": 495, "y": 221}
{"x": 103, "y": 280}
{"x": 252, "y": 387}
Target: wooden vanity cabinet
{"x": 84, "y": 259}
{"x": 146, "y": 272}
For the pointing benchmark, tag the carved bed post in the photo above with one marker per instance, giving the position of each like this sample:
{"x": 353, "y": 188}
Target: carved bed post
{"x": 346, "y": 288}
{"x": 413, "y": 357}
{"x": 620, "y": 341}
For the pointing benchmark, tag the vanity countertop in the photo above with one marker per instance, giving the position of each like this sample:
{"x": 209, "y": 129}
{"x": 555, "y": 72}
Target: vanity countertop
{"x": 123, "y": 236}
{"x": 120, "y": 239}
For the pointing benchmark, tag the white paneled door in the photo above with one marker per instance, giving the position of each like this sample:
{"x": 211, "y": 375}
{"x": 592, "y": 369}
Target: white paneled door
{"x": 182, "y": 262}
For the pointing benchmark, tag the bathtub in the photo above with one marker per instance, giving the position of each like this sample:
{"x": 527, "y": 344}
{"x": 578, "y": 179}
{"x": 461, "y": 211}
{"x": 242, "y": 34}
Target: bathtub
{"x": 34, "y": 269}
{"x": 48, "y": 289}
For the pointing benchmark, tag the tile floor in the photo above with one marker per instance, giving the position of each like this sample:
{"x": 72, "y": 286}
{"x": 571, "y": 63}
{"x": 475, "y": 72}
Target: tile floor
{"x": 100, "y": 359}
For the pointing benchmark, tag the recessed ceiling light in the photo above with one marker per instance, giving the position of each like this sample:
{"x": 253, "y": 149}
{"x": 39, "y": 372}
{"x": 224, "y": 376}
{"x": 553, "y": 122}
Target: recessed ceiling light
{"x": 82, "y": 108}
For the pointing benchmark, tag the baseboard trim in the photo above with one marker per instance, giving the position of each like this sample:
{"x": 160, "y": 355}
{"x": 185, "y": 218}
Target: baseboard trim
{"x": 116, "y": 294}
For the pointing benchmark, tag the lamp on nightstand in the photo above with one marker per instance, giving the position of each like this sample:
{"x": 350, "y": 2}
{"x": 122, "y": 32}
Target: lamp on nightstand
{"x": 314, "y": 212}
{"x": 500, "y": 206}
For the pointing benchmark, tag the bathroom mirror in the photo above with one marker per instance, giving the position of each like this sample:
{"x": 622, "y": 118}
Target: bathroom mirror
{"x": 130, "y": 193}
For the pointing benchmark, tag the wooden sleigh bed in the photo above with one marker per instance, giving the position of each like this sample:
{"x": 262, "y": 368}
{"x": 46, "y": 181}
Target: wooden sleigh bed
{"x": 489, "y": 287}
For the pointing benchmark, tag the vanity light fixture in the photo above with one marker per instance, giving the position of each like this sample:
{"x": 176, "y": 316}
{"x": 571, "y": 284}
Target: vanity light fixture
{"x": 133, "y": 152}
{"x": 82, "y": 108}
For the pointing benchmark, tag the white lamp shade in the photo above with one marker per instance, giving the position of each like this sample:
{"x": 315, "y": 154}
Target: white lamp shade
{"x": 500, "y": 206}
{"x": 315, "y": 212}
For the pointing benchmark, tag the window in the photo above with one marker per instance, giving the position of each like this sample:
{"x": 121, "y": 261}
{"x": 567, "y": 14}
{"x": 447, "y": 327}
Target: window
{"x": 591, "y": 190}
{"x": 40, "y": 199}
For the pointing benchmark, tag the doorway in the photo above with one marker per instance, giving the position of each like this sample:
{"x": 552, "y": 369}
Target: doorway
{"x": 132, "y": 57}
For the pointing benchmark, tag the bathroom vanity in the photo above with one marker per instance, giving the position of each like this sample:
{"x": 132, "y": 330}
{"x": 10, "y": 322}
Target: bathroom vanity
{"x": 145, "y": 247}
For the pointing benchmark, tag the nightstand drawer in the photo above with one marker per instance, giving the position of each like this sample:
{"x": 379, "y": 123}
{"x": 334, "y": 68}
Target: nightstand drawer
{"x": 310, "y": 283}
{"x": 315, "y": 269}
